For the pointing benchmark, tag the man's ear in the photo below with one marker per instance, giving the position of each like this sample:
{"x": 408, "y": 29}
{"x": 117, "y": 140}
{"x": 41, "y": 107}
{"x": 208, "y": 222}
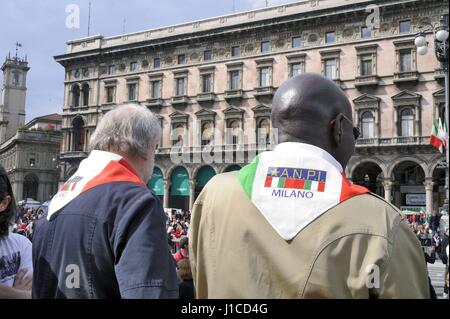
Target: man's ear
{"x": 4, "y": 204}
{"x": 337, "y": 129}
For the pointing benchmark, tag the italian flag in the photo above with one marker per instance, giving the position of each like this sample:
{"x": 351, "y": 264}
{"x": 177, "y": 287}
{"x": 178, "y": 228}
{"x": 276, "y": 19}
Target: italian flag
{"x": 438, "y": 138}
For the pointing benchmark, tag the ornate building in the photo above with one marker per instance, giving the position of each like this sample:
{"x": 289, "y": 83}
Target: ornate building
{"x": 28, "y": 152}
{"x": 211, "y": 82}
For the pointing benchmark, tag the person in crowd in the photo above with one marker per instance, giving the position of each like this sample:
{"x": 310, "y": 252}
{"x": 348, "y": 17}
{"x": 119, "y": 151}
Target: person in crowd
{"x": 443, "y": 255}
{"x": 104, "y": 235}
{"x": 16, "y": 268}
{"x": 183, "y": 252}
{"x": 291, "y": 225}
{"x": 186, "y": 287}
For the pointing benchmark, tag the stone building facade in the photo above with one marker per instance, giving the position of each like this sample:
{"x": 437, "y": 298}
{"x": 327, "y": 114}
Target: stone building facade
{"x": 211, "y": 83}
{"x": 30, "y": 158}
{"x": 28, "y": 152}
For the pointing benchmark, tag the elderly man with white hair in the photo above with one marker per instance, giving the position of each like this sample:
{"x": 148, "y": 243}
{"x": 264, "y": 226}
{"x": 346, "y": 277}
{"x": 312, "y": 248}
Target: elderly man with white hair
{"x": 104, "y": 235}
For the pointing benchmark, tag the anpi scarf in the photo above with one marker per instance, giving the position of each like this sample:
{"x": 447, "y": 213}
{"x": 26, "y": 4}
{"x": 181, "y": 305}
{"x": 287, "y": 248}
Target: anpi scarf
{"x": 98, "y": 169}
{"x": 295, "y": 184}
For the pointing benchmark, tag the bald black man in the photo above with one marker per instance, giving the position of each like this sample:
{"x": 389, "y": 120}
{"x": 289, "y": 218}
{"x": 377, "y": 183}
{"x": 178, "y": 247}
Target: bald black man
{"x": 291, "y": 225}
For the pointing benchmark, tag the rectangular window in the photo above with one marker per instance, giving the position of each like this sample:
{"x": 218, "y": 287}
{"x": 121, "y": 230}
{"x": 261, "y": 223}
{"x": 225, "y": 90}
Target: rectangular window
{"x": 179, "y": 86}
{"x": 405, "y": 61}
{"x": 296, "y": 42}
{"x": 235, "y": 51}
{"x": 181, "y": 58}
{"x": 110, "y": 94}
{"x": 264, "y": 77}
{"x": 330, "y": 68}
{"x": 112, "y": 69}
{"x": 207, "y": 55}
{"x": 366, "y": 64}
{"x": 265, "y": 46}
{"x": 156, "y": 86}
{"x": 444, "y": 20}
{"x": 330, "y": 37}
{"x": 156, "y": 63}
{"x": 405, "y": 26}
{"x": 235, "y": 81}
{"x": 366, "y": 32}
{"x": 133, "y": 66}
{"x": 132, "y": 92}
{"x": 295, "y": 69}
{"x": 206, "y": 83}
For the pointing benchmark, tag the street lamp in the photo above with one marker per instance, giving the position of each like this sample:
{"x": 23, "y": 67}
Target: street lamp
{"x": 441, "y": 50}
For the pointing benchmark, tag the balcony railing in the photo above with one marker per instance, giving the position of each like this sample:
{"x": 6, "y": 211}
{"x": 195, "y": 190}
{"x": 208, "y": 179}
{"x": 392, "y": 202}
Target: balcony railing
{"x": 73, "y": 155}
{"x": 206, "y": 97}
{"x": 215, "y": 148}
{"x": 393, "y": 141}
{"x": 264, "y": 91}
{"x": 155, "y": 102}
{"x": 402, "y": 77}
{"x": 366, "y": 80}
{"x": 180, "y": 100}
{"x": 234, "y": 94}
{"x": 439, "y": 74}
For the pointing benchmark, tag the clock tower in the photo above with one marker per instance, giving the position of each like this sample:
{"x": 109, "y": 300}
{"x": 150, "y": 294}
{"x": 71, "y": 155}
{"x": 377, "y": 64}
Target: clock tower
{"x": 12, "y": 102}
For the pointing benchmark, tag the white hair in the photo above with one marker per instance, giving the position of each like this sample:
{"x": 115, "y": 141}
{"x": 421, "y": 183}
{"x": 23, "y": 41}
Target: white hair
{"x": 129, "y": 128}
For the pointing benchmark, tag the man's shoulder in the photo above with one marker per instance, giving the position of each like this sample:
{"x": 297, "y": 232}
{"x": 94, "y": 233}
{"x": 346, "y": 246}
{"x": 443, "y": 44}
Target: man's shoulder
{"x": 366, "y": 213}
{"x": 18, "y": 240}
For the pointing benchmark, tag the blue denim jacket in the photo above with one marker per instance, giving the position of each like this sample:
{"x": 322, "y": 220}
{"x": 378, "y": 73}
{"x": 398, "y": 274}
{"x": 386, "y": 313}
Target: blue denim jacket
{"x": 109, "y": 242}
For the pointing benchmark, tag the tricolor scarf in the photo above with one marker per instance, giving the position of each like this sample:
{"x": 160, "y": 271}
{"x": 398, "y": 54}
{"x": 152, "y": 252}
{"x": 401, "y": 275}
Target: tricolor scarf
{"x": 294, "y": 184}
{"x": 98, "y": 169}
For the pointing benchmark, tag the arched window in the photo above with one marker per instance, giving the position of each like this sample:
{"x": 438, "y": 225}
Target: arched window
{"x": 85, "y": 91}
{"x": 367, "y": 127}
{"x": 78, "y": 134}
{"x": 264, "y": 132}
{"x": 235, "y": 130}
{"x": 207, "y": 133}
{"x": 178, "y": 135}
{"x": 407, "y": 122}
{"x": 75, "y": 95}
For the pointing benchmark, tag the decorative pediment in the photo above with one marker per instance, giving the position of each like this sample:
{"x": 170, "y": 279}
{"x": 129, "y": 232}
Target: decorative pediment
{"x": 261, "y": 110}
{"x": 233, "y": 112}
{"x": 179, "y": 117}
{"x": 367, "y": 101}
{"x": 406, "y": 97}
{"x": 439, "y": 94}
{"x": 205, "y": 114}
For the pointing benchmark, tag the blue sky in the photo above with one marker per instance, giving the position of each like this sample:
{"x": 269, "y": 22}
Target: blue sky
{"x": 40, "y": 26}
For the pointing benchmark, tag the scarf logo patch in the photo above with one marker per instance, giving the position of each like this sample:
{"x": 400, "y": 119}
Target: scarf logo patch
{"x": 296, "y": 178}
{"x": 71, "y": 184}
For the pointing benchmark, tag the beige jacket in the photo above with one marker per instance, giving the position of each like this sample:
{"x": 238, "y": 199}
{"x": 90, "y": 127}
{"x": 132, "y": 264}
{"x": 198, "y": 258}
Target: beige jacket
{"x": 361, "y": 248}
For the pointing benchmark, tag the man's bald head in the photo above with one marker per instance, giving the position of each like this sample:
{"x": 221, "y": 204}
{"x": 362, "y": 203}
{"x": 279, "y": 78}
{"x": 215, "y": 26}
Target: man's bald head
{"x": 303, "y": 110}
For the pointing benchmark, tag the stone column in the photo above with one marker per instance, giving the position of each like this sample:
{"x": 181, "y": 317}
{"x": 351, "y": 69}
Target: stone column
{"x": 166, "y": 193}
{"x": 387, "y": 184}
{"x": 191, "y": 194}
{"x": 429, "y": 195}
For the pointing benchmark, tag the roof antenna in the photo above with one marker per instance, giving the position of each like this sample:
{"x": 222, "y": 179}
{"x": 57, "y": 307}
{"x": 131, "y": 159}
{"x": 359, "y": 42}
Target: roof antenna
{"x": 89, "y": 19}
{"x": 124, "y": 24}
{"x": 234, "y": 6}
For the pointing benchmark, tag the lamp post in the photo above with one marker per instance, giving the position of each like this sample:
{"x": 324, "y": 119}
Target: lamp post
{"x": 441, "y": 47}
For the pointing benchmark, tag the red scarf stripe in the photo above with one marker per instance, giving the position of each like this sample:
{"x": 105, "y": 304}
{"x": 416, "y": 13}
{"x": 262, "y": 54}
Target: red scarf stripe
{"x": 349, "y": 189}
{"x": 115, "y": 172}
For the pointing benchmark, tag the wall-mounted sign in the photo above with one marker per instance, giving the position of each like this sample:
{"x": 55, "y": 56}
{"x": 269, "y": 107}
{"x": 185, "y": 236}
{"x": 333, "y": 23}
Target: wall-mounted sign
{"x": 415, "y": 199}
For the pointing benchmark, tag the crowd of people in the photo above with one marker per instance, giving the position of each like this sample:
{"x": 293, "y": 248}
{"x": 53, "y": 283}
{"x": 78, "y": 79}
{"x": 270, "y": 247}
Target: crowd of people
{"x": 434, "y": 241}
{"x": 26, "y": 220}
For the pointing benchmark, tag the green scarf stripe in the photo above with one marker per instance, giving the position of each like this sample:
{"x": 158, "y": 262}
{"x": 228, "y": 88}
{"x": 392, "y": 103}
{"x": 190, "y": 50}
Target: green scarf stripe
{"x": 247, "y": 174}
